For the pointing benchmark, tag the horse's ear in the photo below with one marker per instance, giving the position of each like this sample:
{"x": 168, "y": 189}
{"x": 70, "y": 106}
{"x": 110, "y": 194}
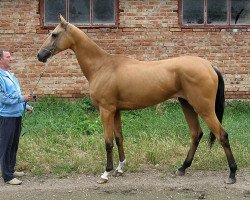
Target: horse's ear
{"x": 62, "y": 21}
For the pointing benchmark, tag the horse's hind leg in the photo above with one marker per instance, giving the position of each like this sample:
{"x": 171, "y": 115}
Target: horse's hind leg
{"x": 196, "y": 134}
{"x": 119, "y": 143}
{"x": 215, "y": 126}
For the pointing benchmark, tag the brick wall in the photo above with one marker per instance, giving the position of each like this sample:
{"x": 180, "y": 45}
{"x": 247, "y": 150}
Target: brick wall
{"x": 148, "y": 30}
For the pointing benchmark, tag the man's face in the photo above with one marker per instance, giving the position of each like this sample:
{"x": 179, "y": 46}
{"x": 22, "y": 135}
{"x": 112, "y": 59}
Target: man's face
{"x": 6, "y": 60}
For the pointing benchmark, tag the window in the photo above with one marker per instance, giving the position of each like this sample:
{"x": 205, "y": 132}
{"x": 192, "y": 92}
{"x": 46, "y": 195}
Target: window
{"x": 210, "y": 13}
{"x": 79, "y": 12}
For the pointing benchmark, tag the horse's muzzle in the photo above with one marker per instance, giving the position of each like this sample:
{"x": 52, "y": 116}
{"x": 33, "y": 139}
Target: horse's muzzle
{"x": 43, "y": 55}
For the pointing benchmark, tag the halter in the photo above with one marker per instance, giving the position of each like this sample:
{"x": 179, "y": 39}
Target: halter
{"x": 50, "y": 51}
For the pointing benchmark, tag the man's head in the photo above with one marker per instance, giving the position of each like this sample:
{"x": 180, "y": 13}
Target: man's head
{"x": 5, "y": 59}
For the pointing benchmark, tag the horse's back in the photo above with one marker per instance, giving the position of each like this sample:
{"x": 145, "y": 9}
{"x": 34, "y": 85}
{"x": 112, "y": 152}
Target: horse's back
{"x": 170, "y": 75}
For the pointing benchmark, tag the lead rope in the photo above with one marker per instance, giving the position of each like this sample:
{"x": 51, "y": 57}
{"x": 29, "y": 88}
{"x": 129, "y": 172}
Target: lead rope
{"x": 33, "y": 90}
{"x": 40, "y": 76}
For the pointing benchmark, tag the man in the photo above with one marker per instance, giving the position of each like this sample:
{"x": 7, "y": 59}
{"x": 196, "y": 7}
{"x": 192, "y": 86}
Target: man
{"x": 12, "y": 105}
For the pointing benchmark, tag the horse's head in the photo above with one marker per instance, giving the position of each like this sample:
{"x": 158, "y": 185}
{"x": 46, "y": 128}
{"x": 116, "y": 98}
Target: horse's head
{"x": 57, "y": 41}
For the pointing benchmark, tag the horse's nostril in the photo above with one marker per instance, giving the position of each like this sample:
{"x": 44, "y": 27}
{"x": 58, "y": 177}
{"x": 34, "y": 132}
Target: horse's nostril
{"x": 39, "y": 57}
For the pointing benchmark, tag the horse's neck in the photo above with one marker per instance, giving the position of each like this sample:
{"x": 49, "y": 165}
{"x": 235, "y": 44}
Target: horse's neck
{"x": 89, "y": 55}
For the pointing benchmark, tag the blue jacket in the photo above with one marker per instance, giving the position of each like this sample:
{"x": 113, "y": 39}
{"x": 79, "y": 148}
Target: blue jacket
{"x": 11, "y": 100}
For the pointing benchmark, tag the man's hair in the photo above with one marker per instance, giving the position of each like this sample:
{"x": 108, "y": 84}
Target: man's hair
{"x": 1, "y": 52}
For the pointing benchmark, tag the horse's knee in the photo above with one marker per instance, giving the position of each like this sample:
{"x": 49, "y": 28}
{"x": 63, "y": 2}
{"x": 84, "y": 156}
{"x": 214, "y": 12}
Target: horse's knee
{"x": 109, "y": 147}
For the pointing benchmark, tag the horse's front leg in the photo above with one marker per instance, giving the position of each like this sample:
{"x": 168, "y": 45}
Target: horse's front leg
{"x": 107, "y": 117}
{"x": 119, "y": 142}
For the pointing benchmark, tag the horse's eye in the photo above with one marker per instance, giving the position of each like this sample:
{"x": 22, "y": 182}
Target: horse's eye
{"x": 54, "y": 35}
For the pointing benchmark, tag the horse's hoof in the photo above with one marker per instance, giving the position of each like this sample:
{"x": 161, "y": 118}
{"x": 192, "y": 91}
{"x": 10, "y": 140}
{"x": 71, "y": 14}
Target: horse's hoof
{"x": 179, "y": 173}
{"x": 230, "y": 181}
{"x": 116, "y": 173}
{"x": 102, "y": 181}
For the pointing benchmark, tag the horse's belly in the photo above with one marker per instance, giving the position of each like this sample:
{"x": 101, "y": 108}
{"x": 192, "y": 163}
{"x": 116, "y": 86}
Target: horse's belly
{"x": 132, "y": 105}
{"x": 142, "y": 101}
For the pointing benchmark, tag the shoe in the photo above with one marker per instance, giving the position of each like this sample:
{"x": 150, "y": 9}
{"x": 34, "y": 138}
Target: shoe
{"x": 18, "y": 174}
{"x": 14, "y": 181}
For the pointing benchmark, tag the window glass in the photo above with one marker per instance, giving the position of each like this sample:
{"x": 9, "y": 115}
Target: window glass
{"x": 193, "y": 11}
{"x": 79, "y": 11}
{"x": 103, "y": 11}
{"x": 53, "y": 9}
{"x": 240, "y": 12}
{"x": 217, "y": 11}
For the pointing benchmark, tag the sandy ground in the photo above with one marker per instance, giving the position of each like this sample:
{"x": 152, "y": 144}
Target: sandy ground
{"x": 151, "y": 184}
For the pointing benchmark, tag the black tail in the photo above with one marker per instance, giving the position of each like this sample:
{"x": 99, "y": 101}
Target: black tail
{"x": 219, "y": 103}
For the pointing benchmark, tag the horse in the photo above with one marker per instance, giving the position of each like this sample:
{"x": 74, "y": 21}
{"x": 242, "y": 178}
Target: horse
{"x": 118, "y": 82}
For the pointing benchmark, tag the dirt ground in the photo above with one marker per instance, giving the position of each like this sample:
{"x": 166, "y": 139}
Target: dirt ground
{"x": 149, "y": 185}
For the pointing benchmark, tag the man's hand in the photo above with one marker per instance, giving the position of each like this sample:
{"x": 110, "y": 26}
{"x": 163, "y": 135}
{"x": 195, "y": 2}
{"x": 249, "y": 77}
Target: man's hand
{"x": 27, "y": 97}
{"x": 30, "y": 109}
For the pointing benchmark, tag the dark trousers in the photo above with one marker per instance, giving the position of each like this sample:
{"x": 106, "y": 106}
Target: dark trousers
{"x": 10, "y": 129}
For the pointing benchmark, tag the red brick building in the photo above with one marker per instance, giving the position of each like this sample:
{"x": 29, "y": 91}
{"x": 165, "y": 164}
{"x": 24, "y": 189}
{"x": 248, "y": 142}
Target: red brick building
{"x": 143, "y": 29}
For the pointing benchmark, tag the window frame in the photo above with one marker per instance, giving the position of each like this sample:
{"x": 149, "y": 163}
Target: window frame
{"x": 89, "y": 25}
{"x": 205, "y": 25}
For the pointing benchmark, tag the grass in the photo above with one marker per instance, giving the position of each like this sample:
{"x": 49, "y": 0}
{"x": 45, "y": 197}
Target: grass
{"x": 65, "y": 137}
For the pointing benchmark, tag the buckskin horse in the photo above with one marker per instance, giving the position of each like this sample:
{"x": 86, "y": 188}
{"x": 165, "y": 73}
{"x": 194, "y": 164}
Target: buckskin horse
{"x": 117, "y": 82}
